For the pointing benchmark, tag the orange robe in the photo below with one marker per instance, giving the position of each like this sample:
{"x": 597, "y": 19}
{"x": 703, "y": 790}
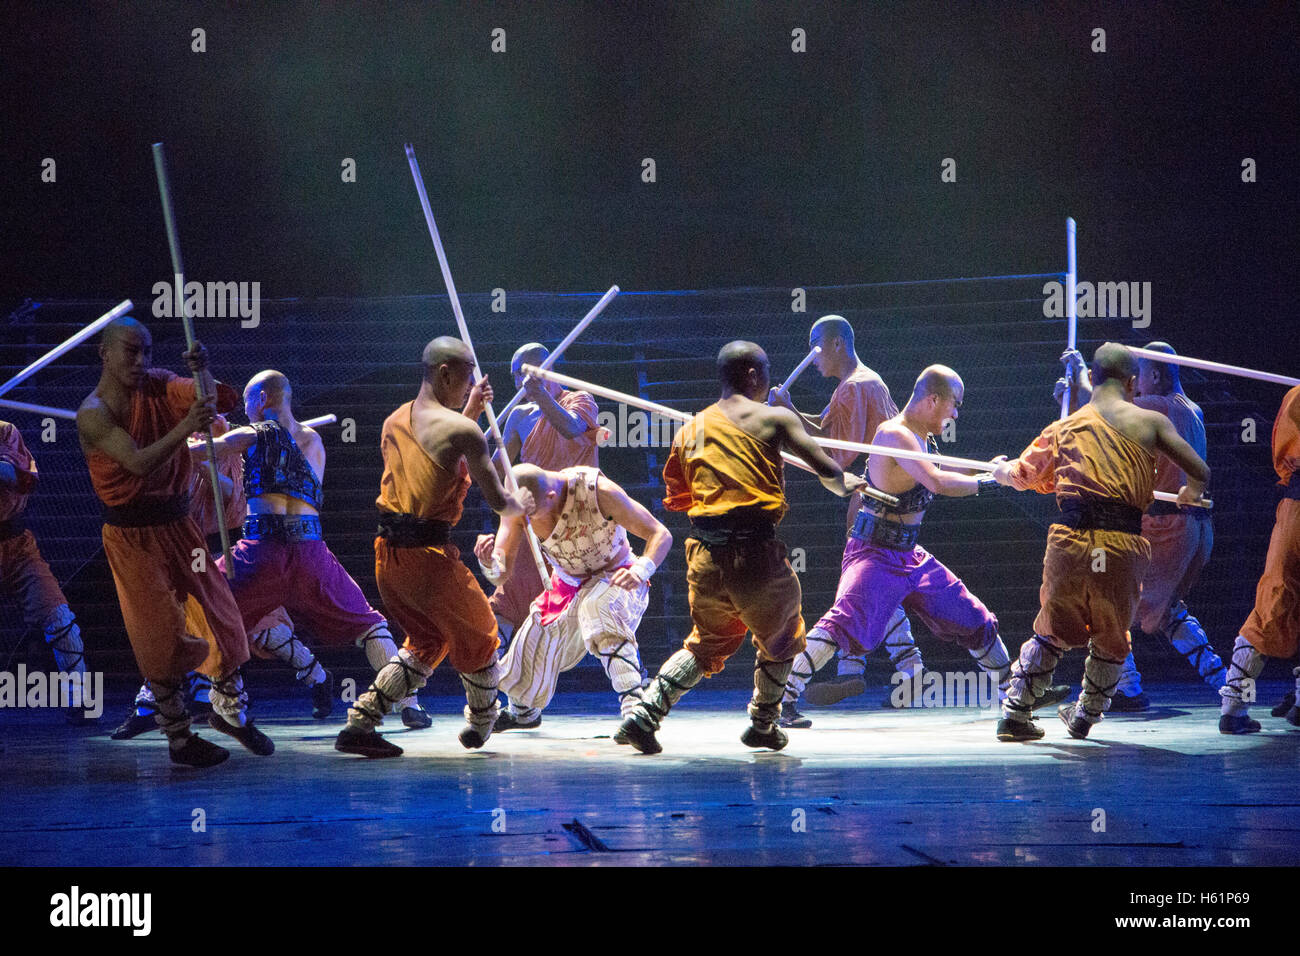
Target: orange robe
{"x": 1091, "y": 578}
{"x": 713, "y": 469}
{"x": 547, "y": 449}
{"x": 1273, "y": 627}
{"x": 23, "y": 571}
{"x": 1180, "y": 543}
{"x": 860, "y": 404}
{"x": 153, "y": 566}
{"x": 428, "y": 591}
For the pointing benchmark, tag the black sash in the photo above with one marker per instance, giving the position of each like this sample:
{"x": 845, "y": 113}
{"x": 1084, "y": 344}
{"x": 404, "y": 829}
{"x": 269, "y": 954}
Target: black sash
{"x": 1292, "y": 490}
{"x": 402, "y": 530}
{"x": 739, "y": 528}
{"x": 1100, "y": 514}
{"x": 1159, "y": 509}
{"x": 147, "y": 511}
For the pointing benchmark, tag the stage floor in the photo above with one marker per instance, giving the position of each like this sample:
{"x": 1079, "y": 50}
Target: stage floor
{"x": 864, "y": 786}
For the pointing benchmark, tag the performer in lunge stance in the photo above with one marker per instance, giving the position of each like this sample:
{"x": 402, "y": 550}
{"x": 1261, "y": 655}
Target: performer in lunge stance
{"x": 25, "y": 575}
{"x": 725, "y": 471}
{"x": 598, "y": 588}
{"x": 884, "y": 567}
{"x": 431, "y": 449}
{"x": 1273, "y": 627}
{"x": 860, "y": 404}
{"x": 554, "y": 429}
{"x": 1100, "y": 463}
{"x": 133, "y": 430}
{"x": 1181, "y": 538}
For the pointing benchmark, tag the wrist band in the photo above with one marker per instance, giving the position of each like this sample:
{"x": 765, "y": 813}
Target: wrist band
{"x": 643, "y": 568}
{"x": 986, "y": 483}
{"x": 491, "y": 573}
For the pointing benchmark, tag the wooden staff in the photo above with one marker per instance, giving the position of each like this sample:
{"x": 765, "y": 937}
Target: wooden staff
{"x": 178, "y": 270}
{"x": 1071, "y": 308}
{"x": 67, "y": 345}
{"x": 318, "y": 422}
{"x": 495, "y": 430}
{"x": 38, "y": 409}
{"x": 815, "y": 351}
{"x": 1208, "y": 366}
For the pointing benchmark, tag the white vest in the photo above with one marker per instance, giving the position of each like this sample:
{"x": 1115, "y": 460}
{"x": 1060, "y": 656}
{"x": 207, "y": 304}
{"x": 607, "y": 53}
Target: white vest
{"x": 584, "y": 542}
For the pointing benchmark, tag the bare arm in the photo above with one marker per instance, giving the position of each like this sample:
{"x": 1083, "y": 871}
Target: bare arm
{"x": 510, "y": 435}
{"x": 232, "y": 443}
{"x": 1182, "y": 454}
{"x": 941, "y": 481}
{"x": 616, "y": 503}
{"x": 470, "y": 442}
{"x": 98, "y": 432}
{"x": 565, "y": 422}
{"x": 796, "y": 438}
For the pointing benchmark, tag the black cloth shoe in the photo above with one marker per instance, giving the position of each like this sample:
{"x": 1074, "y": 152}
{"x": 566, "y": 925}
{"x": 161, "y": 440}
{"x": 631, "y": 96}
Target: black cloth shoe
{"x": 417, "y": 718}
{"x": 829, "y": 692}
{"x": 640, "y": 738}
{"x": 508, "y": 721}
{"x": 1019, "y": 730}
{"x": 322, "y": 697}
{"x": 772, "y": 738}
{"x": 248, "y": 735}
{"x": 790, "y": 717}
{"x": 1054, "y": 695}
{"x": 134, "y": 725}
{"x": 1237, "y": 724}
{"x": 1288, "y": 703}
{"x": 1293, "y": 716}
{"x": 1123, "y": 704}
{"x": 471, "y": 739}
{"x": 1076, "y": 725}
{"x": 367, "y": 743}
{"x": 197, "y": 752}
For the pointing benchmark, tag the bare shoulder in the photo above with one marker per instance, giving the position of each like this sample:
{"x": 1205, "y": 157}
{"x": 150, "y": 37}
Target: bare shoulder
{"x": 896, "y": 435}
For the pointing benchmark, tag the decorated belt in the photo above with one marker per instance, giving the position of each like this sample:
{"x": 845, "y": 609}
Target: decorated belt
{"x": 402, "y": 530}
{"x": 11, "y": 528}
{"x": 147, "y": 512}
{"x": 1160, "y": 509}
{"x": 739, "y": 528}
{"x": 887, "y": 534}
{"x": 1292, "y": 490}
{"x": 282, "y": 527}
{"x": 1100, "y": 514}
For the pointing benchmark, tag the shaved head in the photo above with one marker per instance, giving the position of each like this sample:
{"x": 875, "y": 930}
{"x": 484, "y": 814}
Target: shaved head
{"x": 272, "y": 384}
{"x": 1113, "y": 362}
{"x": 1165, "y": 372}
{"x": 534, "y": 353}
{"x": 125, "y": 327}
{"x": 445, "y": 350}
{"x": 938, "y": 380}
{"x": 736, "y": 359}
{"x": 831, "y": 327}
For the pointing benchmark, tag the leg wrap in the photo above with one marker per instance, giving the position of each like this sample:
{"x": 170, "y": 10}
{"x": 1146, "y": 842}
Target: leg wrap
{"x": 622, "y": 666}
{"x": 1031, "y": 675}
{"x": 904, "y": 655}
{"x": 1130, "y": 680}
{"x": 1188, "y": 638}
{"x": 397, "y": 680}
{"x": 1296, "y": 672}
{"x": 993, "y": 660}
{"x": 821, "y": 648}
{"x": 1100, "y": 678}
{"x": 170, "y": 712}
{"x": 769, "y": 685}
{"x": 281, "y": 642}
{"x": 230, "y": 700}
{"x": 200, "y": 687}
{"x": 1238, "y": 691}
{"x": 481, "y": 708}
{"x": 380, "y": 650}
{"x": 679, "y": 674}
{"x": 64, "y": 638}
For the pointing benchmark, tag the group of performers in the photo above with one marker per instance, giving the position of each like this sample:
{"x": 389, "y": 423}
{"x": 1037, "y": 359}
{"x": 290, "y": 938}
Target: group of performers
{"x": 566, "y": 579}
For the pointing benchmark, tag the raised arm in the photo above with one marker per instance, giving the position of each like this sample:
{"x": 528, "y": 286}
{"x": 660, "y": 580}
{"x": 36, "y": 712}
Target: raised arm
{"x": 567, "y": 423}
{"x": 98, "y": 432}
{"x": 469, "y": 441}
{"x": 796, "y": 438}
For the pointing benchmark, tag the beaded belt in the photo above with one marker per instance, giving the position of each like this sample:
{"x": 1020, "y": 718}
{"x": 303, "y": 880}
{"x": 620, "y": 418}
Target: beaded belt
{"x": 282, "y": 527}
{"x": 886, "y": 534}
{"x": 402, "y": 530}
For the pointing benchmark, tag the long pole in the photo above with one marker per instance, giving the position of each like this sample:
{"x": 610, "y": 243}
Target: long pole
{"x": 798, "y": 370}
{"x": 67, "y": 345}
{"x": 39, "y": 409}
{"x": 1071, "y": 308}
{"x": 1207, "y": 366}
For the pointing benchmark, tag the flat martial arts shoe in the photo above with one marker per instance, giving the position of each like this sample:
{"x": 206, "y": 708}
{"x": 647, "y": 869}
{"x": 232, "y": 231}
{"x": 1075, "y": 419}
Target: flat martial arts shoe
{"x": 508, "y": 721}
{"x": 471, "y": 739}
{"x": 417, "y": 718}
{"x": 790, "y": 717}
{"x": 1077, "y": 726}
{"x": 772, "y": 738}
{"x": 620, "y": 738}
{"x": 1054, "y": 695}
{"x": 829, "y": 692}
{"x": 1293, "y": 716}
{"x": 367, "y": 743}
{"x": 1019, "y": 730}
{"x": 197, "y": 752}
{"x": 1124, "y": 704}
{"x": 1237, "y": 724}
{"x": 248, "y": 735}
{"x": 134, "y": 725}
{"x": 1288, "y": 704}
{"x": 322, "y": 697}
{"x": 640, "y": 738}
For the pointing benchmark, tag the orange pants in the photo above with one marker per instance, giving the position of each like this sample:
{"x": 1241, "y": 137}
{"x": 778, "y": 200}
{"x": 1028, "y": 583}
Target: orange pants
{"x": 177, "y": 619}
{"x": 439, "y": 604}
{"x": 25, "y": 575}
{"x": 514, "y": 596}
{"x": 1091, "y": 582}
{"x": 735, "y": 590}
{"x": 1180, "y": 548}
{"x": 1274, "y": 623}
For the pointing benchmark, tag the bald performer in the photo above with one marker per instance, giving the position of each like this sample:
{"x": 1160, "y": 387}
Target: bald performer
{"x": 725, "y": 471}
{"x": 884, "y": 566}
{"x": 1181, "y": 538}
{"x": 133, "y": 430}
{"x": 282, "y": 560}
{"x": 554, "y": 429}
{"x": 1273, "y": 627}
{"x": 432, "y": 448}
{"x": 1100, "y": 463}
{"x": 24, "y": 573}
{"x": 860, "y": 404}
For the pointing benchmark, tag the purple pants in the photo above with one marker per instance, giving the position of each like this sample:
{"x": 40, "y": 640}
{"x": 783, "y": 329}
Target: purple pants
{"x": 875, "y": 580}
{"x": 306, "y": 580}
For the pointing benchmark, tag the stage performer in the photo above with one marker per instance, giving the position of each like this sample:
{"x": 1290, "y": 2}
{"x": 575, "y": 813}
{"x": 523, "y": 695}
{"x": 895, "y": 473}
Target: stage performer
{"x": 725, "y": 471}
{"x": 1100, "y": 463}
{"x": 133, "y": 431}
{"x": 26, "y": 576}
{"x": 598, "y": 591}
{"x": 432, "y": 448}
